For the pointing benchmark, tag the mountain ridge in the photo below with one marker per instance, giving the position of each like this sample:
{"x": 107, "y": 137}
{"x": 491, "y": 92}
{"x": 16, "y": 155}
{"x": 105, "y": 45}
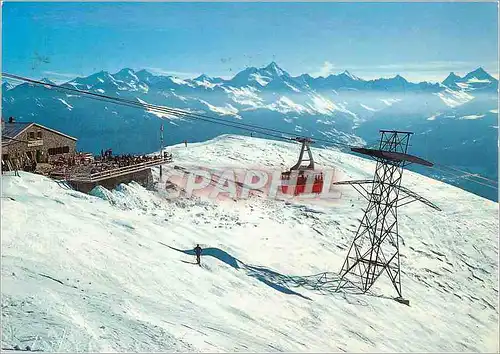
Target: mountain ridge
{"x": 264, "y": 75}
{"x": 457, "y": 120}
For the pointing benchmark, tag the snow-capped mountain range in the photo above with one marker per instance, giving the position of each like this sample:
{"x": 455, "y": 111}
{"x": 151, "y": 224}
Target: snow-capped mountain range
{"x": 455, "y": 121}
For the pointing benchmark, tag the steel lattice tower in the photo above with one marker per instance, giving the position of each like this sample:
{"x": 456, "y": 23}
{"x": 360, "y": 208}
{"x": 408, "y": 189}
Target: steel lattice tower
{"x": 375, "y": 248}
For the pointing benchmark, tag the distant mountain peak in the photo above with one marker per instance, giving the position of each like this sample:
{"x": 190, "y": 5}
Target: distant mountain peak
{"x": 274, "y": 69}
{"x": 480, "y": 70}
{"x": 100, "y": 73}
{"x": 143, "y": 71}
{"x": 400, "y": 78}
{"x": 126, "y": 74}
{"x": 453, "y": 75}
{"x": 349, "y": 75}
{"x": 126, "y": 71}
{"x": 479, "y": 73}
{"x": 203, "y": 77}
{"x": 248, "y": 70}
{"x": 451, "y": 79}
{"x": 262, "y": 76}
{"x": 144, "y": 75}
{"x": 272, "y": 65}
{"x": 47, "y": 81}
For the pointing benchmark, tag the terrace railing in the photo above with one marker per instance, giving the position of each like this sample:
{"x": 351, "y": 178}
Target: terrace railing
{"x": 112, "y": 172}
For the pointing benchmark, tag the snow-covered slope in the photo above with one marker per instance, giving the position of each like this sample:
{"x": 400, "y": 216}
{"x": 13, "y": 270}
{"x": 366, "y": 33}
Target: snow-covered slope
{"x": 96, "y": 273}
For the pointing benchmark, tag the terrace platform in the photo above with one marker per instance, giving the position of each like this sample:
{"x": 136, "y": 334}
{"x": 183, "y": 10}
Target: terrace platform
{"x": 111, "y": 177}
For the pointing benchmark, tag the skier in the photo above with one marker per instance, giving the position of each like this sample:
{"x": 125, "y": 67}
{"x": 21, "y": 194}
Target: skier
{"x": 197, "y": 249}
{"x": 16, "y": 167}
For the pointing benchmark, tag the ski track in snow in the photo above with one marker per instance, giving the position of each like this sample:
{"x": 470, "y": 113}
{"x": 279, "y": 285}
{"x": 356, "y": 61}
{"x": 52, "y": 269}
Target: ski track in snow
{"x": 97, "y": 272}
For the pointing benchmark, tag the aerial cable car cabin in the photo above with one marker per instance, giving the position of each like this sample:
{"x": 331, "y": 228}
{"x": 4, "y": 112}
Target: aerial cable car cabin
{"x": 299, "y": 178}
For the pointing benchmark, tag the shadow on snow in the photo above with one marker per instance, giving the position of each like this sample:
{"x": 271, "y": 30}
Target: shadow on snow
{"x": 322, "y": 283}
{"x": 221, "y": 255}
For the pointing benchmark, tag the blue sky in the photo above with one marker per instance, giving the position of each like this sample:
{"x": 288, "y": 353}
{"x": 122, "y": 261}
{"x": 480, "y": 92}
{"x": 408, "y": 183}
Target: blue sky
{"x": 421, "y": 41}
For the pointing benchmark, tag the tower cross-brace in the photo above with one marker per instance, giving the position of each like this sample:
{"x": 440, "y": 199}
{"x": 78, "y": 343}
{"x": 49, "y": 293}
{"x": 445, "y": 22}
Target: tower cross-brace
{"x": 375, "y": 248}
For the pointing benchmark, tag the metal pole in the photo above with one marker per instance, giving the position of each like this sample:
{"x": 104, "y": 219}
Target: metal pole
{"x": 161, "y": 149}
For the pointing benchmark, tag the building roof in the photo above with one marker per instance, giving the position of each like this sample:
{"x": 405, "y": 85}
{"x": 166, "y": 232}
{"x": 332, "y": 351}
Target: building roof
{"x": 13, "y": 130}
{"x": 56, "y": 132}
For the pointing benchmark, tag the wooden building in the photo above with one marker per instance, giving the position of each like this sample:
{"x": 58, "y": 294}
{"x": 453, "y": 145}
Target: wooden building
{"x": 27, "y": 142}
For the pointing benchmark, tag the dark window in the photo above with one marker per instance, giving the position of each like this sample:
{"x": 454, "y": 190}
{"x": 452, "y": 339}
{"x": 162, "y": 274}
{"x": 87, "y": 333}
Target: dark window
{"x": 31, "y": 136}
{"x": 39, "y": 135}
{"x": 59, "y": 150}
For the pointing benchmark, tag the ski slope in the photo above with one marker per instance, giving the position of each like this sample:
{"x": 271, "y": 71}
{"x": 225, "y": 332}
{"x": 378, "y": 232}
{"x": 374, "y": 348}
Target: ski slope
{"x": 108, "y": 272}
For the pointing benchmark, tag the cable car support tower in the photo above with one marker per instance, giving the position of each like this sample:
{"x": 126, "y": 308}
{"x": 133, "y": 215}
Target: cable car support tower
{"x": 375, "y": 248}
